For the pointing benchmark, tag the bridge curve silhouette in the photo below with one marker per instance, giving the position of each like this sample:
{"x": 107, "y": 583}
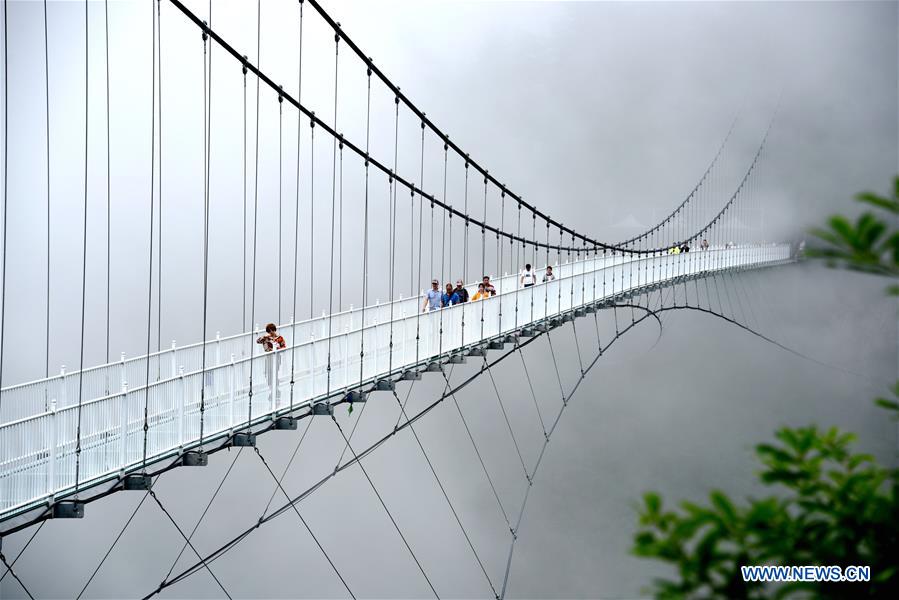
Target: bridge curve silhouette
{"x": 72, "y": 438}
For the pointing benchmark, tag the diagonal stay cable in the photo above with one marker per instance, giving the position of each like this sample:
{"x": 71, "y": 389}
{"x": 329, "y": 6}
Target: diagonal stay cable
{"x": 167, "y": 514}
{"x": 115, "y": 542}
{"x": 232, "y": 543}
{"x": 408, "y": 395}
{"x": 384, "y": 505}
{"x": 305, "y": 524}
{"x": 205, "y": 510}
{"x": 480, "y": 458}
{"x": 546, "y": 441}
{"x": 502, "y": 407}
{"x": 352, "y": 433}
{"x": 286, "y": 468}
{"x": 552, "y": 351}
{"x": 446, "y": 496}
{"x": 22, "y": 551}
{"x": 577, "y": 345}
{"x": 15, "y": 576}
{"x": 527, "y": 374}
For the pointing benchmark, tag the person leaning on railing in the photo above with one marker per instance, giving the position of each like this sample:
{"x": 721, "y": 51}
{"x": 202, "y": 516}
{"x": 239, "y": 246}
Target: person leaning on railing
{"x": 270, "y": 341}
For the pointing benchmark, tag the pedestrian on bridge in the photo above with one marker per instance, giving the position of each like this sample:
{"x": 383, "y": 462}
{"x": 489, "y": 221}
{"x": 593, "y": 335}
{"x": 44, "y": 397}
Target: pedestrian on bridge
{"x": 704, "y": 245}
{"x": 481, "y": 294}
{"x": 270, "y": 341}
{"x": 528, "y": 278}
{"x": 451, "y": 297}
{"x": 460, "y": 289}
{"x": 432, "y": 297}
{"x": 488, "y": 287}
{"x": 548, "y": 276}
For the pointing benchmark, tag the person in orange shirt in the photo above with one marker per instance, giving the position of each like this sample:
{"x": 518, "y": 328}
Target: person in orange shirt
{"x": 481, "y": 294}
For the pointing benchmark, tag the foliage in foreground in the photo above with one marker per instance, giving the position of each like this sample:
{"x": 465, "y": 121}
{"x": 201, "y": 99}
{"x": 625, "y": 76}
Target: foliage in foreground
{"x": 833, "y": 507}
{"x": 830, "y": 506}
{"x": 871, "y": 244}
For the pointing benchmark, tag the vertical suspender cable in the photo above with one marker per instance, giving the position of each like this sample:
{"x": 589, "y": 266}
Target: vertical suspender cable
{"x": 340, "y": 227}
{"x": 108, "y": 187}
{"x": 443, "y": 222}
{"x": 207, "y": 151}
{"x": 392, "y": 227}
{"x": 465, "y": 240}
{"x": 5, "y": 192}
{"x": 47, "y": 114}
{"x": 311, "y": 218}
{"x": 465, "y": 247}
{"x": 159, "y": 268}
{"x": 421, "y": 184}
{"x": 365, "y": 233}
{"x": 280, "y": 197}
{"x": 296, "y": 216}
{"x": 152, "y": 221}
{"x": 255, "y": 213}
{"x": 244, "y": 247}
{"x": 83, "y": 256}
{"x": 443, "y": 244}
{"x": 421, "y": 208}
{"x": 333, "y": 212}
{"x": 483, "y": 252}
{"x": 534, "y": 257}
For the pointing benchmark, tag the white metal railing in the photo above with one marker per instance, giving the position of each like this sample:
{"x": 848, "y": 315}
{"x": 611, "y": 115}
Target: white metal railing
{"x": 37, "y": 451}
{"x": 25, "y": 399}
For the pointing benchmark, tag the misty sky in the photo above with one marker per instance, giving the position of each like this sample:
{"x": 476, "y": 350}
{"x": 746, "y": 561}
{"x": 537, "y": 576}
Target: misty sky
{"x": 601, "y": 114}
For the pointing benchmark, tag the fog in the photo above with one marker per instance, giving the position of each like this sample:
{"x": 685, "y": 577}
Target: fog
{"x": 603, "y": 115}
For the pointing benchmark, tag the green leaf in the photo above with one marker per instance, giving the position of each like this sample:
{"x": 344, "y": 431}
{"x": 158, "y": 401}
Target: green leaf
{"x": 724, "y": 505}
{"x": 889, "y": 204}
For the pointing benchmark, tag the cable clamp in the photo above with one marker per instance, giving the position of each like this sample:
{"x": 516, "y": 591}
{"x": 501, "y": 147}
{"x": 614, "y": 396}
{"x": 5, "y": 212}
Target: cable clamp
{"x": 205, "y": 27}
{"x": 244, "y": 65}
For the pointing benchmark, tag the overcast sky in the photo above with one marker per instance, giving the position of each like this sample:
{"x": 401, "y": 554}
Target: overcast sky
{"x": 601, "y": 114}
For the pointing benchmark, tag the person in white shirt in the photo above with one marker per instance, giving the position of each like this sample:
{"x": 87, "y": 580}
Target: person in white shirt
{"x": 527, "y": 276}
{"x": 548, "y": 276}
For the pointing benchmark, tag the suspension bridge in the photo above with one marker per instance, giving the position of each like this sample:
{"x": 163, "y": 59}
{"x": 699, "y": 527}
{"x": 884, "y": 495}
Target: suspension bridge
{"x": 70, "y": 438}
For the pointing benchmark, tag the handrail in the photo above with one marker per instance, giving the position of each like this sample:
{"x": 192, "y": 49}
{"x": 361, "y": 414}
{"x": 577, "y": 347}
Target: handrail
{"x": 308, "y": 342}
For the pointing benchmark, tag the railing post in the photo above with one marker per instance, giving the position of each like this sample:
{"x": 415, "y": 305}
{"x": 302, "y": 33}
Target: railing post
{"x": 122, "y": 375}
{"x": 311, "y": 366}
{"x": 179, "y": 398}
{"x": 174, "y": 370}
{"x": 51, "y": 465}
{"x": 346, "y": 357}
{"x": 218, "y": 348}
{"x": 232, "y": 375}
{"x": 403, "y": 352}
{"x": 376, "y": 345}
{"x": 273, "y": 379}
{"x": 63, "y": 395}
{"x": 123, "y": 409}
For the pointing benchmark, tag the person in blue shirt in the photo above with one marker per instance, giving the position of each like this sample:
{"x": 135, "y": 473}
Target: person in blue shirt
{"x": 450, "y": 297}
{"x": 432, "y": 297}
